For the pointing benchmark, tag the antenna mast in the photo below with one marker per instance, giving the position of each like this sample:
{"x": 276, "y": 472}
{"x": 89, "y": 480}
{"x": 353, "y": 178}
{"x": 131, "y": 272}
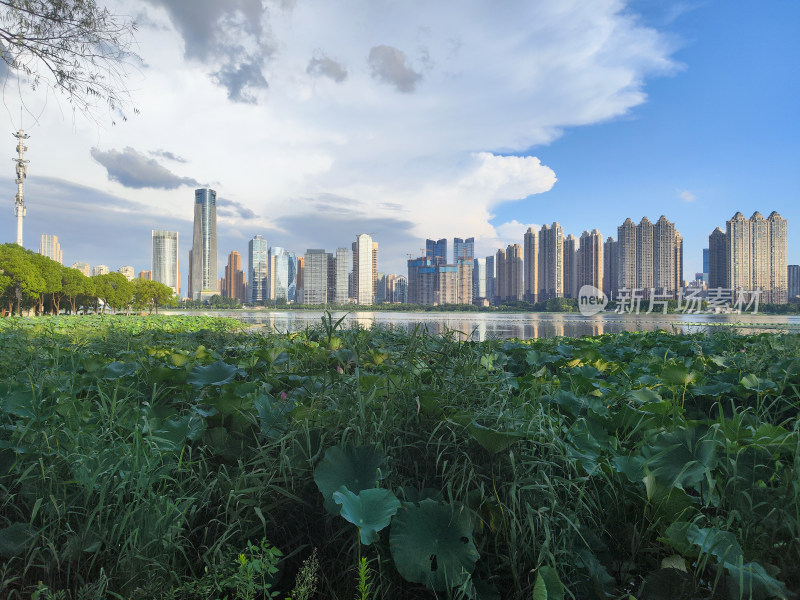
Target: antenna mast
{"x": 22, "y": 173}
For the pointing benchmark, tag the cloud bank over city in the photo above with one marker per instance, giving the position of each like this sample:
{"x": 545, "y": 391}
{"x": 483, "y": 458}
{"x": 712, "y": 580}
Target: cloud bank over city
{"x": 316, "y": 121}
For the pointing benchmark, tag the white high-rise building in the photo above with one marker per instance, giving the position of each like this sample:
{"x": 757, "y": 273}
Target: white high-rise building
{"x": 364, "y": 272}
{"x": 164, "y": 259}
{"x": 341, "y": 276}
{"x": 100, "y": 270}
{"x": 204, "y": 280}
{"x": 128, "y": 272}
{"x": 51, "y": 248}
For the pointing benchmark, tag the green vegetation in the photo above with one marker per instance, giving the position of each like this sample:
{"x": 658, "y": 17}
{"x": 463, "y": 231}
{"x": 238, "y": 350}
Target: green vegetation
{"x": 183, "y": 458}
{"x": 35, "y": 283}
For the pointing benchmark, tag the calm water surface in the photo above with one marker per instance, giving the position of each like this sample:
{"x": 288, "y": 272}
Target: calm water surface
{"x": 481, "y": 326}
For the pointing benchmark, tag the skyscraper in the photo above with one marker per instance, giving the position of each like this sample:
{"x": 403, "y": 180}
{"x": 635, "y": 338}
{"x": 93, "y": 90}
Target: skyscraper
{"x": 793, "y": 273}
{"x": 590, "y": 260}
{"x": 315, "y": 276}
{"x": 479, "y": 278}
{"x": 551, "y": 262}
{"x": 437, "y": 250}
{"x": 100, "y": 270}
{"x": 778, "y": 249}
{"x": 718, "y": 259}
{"x": 257, "y": 269}
{"x": 509, "y": 273}
{"x": 571, "y": 267}
{"x": 740, "y": 262}
{"x": 610, "y": 268}
{"x": 204, "y": 244}
{"x": 51, "y": 248}
{"x": 530, "y": 265}
{"x": 164, "y": 259}
{"x": 645, "y": 277}
{"x": 627, "y": 271}
{"x": 364, "y": 257}
{"x": 342, "y": 268}
{"x": 463, "y": 249}
{"x": 491, "y": 280}
{"x": 422, "y": 280}
{"x": 281, "y": 275}
{"x": 665, "y": 258}
{"x": 233, "y": 285}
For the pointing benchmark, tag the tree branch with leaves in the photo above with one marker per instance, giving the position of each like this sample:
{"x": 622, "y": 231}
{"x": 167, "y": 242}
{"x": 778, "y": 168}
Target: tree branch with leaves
{"x": 73, "y": 46}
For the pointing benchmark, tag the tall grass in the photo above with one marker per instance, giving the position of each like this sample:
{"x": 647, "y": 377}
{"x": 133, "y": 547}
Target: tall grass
{"x": 117, "y": 470}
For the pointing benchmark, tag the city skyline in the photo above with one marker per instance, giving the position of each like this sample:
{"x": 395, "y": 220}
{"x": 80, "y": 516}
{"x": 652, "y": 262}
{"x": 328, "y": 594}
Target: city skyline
{"x": 382, "y": 154}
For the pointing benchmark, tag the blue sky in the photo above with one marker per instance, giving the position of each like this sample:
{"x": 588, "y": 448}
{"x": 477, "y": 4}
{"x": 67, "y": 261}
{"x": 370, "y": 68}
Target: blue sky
{"x": 725, "y": 127}
{"x": 316, "y": 121}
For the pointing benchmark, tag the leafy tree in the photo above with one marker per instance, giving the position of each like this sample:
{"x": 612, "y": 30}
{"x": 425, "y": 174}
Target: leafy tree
{"x": 50, "y": 271}
{"x": 151, "y": 294}
{"x": 26, "y": 282}
{"x": 114, "y": 290}
{"x": 73, "y": 46}
{"x": 73, "y": 284}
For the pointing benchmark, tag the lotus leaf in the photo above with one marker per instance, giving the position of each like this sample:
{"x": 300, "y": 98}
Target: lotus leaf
{"x": 370, "y": 510}
{"x": 432, "y": 544}
{"x": 355, "y": 468}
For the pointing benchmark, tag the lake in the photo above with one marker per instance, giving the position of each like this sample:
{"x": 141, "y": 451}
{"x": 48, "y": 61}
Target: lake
{"x": 481, "y": 326}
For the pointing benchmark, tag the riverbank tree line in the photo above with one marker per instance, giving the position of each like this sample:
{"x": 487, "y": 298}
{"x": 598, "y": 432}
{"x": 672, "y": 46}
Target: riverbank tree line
{"x": 34, "y": 284}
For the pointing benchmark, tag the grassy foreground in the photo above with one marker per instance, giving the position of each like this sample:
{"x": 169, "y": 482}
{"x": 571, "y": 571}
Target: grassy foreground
{"x": 182, "y": 458}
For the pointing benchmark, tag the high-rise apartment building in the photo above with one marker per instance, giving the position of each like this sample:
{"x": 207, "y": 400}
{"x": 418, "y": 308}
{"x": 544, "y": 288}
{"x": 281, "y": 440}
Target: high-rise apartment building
{"x": 396, "y": 289}
{"x": 446, "y": 284}
{"x": 551, "y": 262}
{"x": 510, "y": 273}
{"x": 164, "y": 259}
{"x": 718, "y": 259}
{"x": 463, "y": 249}
{"x": 342, "y": 267}
{"x": 365, "y": 255}
{"x": 627, "y": 256}
{"x": 50, "y": 248}
{"x": 667, "y": 256}
{"x": 204, "y": 245}
{"x": 437, "y": 250}
{"x": 590, "y": 260}
{"x": 83, "y": 268}
{"x": 148, "y": 275}
{"x": 257, "y": 269}
{"x": 128, "y": 272}
{"x": 380, "y": 288}
{"x": 740, "y": 261}
{"x": 645, "y": 277}
{"x": 479, "y": 279}
{"x": 530, "y": 245}
{"x": 570, "y": 266}
{"x": 650, "y": 257}
{"x": 422, "y": 280}
{"x": 464, "y": 281}
{"x": 610, "y": 268}
{"x": 233, "y": 284}
{"x": 491, "y": 280}
{"x": 793, "y": 279}
{"x": 778, "y": 259}
{"x": 751, "y": 255}
{"x": 100, "y": 270}
{"x": 315, "y": 276}
{"x": 299, "y": 292}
